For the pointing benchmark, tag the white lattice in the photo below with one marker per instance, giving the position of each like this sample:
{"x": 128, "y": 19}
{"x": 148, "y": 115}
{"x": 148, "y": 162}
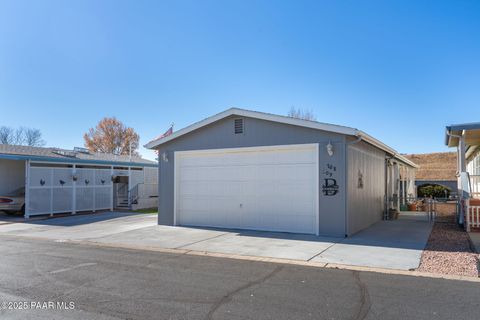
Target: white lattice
{"x": 40, "y": 177}
{"x": 62, "y": 177}
{"x": 84, "y": 199}
{"x": 53, "y": 190}
{"x": 40, "y": 201}
{"x": 103, "y": 198}
{"x": 85, "y": 177}
{"x": 151, "y": 175}
{"x": 103, "y": 177}
{"x": 62, "y": 199}
{"x": 136, "y": 177}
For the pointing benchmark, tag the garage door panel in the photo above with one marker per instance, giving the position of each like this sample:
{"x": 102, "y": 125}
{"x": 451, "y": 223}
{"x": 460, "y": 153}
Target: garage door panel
{"x": 272, "y": 188}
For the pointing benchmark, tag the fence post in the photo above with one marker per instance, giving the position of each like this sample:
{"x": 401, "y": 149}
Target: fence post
{"x": 74, "y": 190}
{"x": 27, "y": 190}
{"x": 51, "y": 192}
{"x": 467, "y": 215}
{"x": 94, "y": 187}
{"x": 111, "y": 188}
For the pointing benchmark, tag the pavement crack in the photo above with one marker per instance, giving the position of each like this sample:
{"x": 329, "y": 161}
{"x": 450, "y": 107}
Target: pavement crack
{"x": 195, "y": 242}
{"x": 313, "y": 257}
{"x": 228, "y": 297}
{"x": 365, "y": 303}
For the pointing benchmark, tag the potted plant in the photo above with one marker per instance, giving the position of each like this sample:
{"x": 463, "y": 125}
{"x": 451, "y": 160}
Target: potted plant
{"x": 392, "y": 214}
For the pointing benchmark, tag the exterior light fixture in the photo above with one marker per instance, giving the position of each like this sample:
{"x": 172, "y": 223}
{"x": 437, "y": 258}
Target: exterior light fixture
{"x": 329, "y": 147}
{"x": 165, "y": 157}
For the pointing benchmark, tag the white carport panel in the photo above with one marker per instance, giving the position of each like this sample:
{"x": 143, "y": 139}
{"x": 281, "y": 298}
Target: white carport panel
{"x": 84, "y": 199}
{"x": 59, "y": 189}
{"x": 40, "y": 193}
{"x": 136, "y": 177}
{"x": 103, "y": 186}
{"x": 263, "y": 188}
{"x": 85, "y": 192}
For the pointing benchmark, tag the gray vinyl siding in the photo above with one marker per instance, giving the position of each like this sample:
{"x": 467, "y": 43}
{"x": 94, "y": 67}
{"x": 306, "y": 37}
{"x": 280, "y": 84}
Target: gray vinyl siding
{"x": 365, "y": 205}
{"x": 257, "y": 132}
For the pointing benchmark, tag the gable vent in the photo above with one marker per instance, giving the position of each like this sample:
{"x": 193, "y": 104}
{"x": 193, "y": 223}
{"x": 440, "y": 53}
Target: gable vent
{"x": 238, "y": 124}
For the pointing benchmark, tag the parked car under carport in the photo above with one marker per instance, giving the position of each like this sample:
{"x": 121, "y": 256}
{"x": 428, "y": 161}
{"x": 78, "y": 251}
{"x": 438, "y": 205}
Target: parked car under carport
{"x": 13, "y": 202}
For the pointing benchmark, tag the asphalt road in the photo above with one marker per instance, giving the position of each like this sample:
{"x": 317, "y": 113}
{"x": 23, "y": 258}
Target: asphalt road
{"x": 110, "y": 283}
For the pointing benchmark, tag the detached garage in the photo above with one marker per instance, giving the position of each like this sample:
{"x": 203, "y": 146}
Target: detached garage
{"x": 249, "y": 170}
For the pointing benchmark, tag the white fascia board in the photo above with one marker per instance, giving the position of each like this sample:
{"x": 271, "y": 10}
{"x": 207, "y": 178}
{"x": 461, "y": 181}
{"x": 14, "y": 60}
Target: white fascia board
{"x": 257, "y": 115}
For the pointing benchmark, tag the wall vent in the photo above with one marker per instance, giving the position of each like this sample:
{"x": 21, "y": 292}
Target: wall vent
{"x": 238, "y": 126}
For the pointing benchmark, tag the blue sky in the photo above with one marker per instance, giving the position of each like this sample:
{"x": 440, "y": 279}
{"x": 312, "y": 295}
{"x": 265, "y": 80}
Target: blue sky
{"x": 399, "y": 70}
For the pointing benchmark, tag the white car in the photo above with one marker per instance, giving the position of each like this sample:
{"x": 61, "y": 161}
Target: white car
{"x": 13, "y": 202}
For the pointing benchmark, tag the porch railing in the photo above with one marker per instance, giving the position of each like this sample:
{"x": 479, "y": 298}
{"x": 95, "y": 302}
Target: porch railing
{"x": 421, "y": 204}
{"x": 473, "y": 214}
{"x": 475, "y": 186}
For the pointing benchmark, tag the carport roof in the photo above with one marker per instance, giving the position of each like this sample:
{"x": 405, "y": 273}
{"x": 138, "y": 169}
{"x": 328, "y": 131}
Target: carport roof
{"x": 154, "y": 144}
{"x": 470, "y": 130}
{"x": 57, "y": 155}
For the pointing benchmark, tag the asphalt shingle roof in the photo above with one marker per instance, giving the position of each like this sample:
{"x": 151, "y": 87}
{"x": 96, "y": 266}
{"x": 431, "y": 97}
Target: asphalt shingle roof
{"x": 56, "y": 153}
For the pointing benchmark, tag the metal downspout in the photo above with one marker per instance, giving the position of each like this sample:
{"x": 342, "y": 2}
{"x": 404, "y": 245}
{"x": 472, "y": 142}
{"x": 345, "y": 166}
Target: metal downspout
{"x": 459, "y": 208}
{"x": 386, "y": 199}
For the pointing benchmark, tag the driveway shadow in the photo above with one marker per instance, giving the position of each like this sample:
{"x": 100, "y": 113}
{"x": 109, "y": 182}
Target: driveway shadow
{"x": 68, "y": 220}
{"x": 408, "y": 232}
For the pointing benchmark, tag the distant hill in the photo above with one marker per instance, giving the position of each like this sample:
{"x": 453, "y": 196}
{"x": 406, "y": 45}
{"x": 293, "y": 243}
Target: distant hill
{"x": 439, "y": 166}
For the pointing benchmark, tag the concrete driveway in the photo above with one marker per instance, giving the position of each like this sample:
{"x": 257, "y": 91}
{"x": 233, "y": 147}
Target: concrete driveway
{"x": 387, "y": 244}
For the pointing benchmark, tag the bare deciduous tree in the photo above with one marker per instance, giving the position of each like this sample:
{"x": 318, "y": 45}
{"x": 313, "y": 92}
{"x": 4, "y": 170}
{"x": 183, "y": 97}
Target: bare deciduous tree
{"x": 33, "y": 137}
{"x": 21, "y": 136}
{"x": 112, "y": 136}
{"x": 302, "y": 114}
{"x": 6, "y": 135}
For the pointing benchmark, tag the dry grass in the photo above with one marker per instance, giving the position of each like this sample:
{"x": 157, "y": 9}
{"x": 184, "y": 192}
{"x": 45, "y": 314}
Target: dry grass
{"x": 435, "y": 166}
{"x": 448, "y": 251}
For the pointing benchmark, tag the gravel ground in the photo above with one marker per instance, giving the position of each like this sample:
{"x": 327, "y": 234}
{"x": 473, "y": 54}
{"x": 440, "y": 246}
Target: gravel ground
{"x": 448, "y": 252}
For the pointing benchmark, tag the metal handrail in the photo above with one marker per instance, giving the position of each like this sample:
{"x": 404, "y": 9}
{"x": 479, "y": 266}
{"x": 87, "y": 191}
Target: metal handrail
{"x": 430, "y": 204}
{"x": 121, "y": 189}
{"x": 134, "y": 194}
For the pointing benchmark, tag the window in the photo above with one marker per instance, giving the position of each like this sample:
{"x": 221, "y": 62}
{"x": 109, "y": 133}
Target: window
{"x": 238, "y": 126}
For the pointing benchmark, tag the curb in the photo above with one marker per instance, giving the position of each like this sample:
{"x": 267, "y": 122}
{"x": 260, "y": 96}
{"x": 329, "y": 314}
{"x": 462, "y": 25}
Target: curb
{"x": 280, "y": 261}
{"x": 263, "y": 259}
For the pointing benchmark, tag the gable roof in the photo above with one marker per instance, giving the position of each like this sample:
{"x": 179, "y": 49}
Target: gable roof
{"x": 438, "y": 166}
{"x": 154, "y": 144}
{"x": 16, "y": 152}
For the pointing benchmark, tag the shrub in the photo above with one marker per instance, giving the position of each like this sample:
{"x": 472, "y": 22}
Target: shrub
{"x": 433, "y": 190}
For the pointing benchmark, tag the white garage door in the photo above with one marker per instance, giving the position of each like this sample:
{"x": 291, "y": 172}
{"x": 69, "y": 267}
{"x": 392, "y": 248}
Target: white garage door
{"x": 260, "y": 188}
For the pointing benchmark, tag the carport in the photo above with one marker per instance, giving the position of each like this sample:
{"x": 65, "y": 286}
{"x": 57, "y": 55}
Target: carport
{"x": 71, "y": 181}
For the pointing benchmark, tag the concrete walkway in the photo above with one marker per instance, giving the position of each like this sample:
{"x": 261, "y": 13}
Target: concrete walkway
{"x": 387, "y": 244}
